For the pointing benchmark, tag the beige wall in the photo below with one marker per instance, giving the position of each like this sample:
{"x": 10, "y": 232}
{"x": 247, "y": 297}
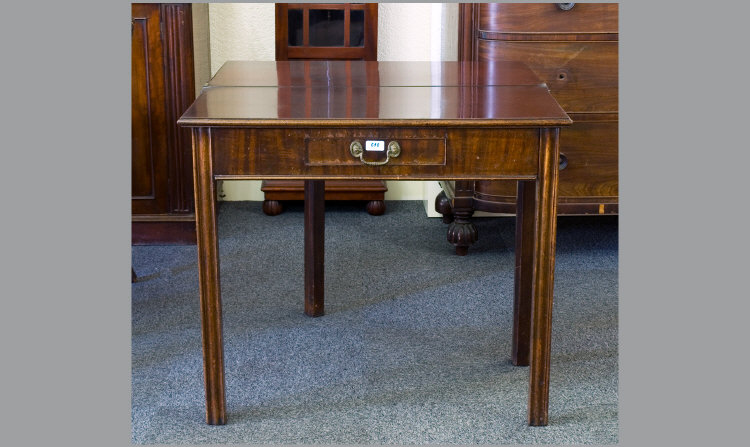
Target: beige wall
{"x": 406, "y": 31}
{"x": 201, "y": 45}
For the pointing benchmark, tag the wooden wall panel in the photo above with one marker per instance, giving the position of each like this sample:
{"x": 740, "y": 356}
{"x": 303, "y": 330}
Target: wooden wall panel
{"x": 162, "y": 88}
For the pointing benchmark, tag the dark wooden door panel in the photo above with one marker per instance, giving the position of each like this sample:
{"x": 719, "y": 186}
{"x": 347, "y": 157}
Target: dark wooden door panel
{"x": 149, "y": 138}
{"x": 142, "y": 179}
{"x": 162, "y": 87}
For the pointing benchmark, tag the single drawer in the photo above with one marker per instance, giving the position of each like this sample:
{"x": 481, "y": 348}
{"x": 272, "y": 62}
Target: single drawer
{"x": 424, "y": 153}
{"x": 334, "y": 148}
{"x": 582, "y": 76}
{"x": 548, "y": 18}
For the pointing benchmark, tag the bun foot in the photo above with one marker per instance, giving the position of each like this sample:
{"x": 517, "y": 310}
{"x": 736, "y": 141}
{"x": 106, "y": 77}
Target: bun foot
{"x": 375, "y": 207}
{"x": 272, "y": 207}
{"x": 443, "y": 206}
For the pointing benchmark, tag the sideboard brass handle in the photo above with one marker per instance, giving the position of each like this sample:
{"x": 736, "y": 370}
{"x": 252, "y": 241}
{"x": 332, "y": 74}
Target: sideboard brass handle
{"x": 566, "y": 6}
{"x": 394, "y": 150}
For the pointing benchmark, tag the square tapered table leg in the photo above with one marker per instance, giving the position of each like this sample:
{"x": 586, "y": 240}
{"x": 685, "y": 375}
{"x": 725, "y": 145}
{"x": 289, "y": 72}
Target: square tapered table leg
{"x": 545, "y": 217}
{"x": 314, "y": 247}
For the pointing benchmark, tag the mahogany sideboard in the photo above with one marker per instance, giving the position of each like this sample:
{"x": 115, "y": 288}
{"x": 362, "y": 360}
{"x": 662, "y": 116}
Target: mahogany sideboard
{"x": 573, "y": 48}
{"x": 430, "y": 125}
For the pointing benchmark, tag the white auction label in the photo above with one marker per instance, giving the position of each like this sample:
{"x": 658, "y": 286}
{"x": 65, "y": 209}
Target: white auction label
{"x": 372, "y": 145}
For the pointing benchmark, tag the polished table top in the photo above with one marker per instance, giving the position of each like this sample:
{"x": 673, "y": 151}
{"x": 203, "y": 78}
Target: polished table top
{"x": 321, "y": 92}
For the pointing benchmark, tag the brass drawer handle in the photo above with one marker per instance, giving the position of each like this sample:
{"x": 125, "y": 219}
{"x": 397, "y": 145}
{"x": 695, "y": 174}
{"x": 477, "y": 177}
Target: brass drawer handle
{"x": 394, "y": 150}
{"x": 566, "y": 6}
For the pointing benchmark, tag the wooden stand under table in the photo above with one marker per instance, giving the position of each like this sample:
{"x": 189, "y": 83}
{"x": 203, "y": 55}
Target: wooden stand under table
{"x": 432, "y": 124}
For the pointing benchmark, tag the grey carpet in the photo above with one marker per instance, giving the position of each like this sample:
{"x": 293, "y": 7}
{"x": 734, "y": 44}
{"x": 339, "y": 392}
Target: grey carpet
{"x": 414, "y": 347}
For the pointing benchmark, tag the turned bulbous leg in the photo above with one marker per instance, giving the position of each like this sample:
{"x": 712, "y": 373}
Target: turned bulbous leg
{"x": 462, "y": 233}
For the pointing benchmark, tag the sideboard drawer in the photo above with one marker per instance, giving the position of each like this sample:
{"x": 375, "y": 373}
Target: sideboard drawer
{"x": 589, "y": 157}
{"x": 548, "y": 18}
{"x": 582, "y": 76}
{"x": 588, "y": 152}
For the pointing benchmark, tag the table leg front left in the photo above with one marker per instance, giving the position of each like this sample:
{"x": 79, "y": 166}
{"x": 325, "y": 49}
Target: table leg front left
{"x": 208, "y": 277}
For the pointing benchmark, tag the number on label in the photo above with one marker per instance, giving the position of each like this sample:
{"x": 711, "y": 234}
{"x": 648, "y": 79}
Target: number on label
{"x": 374, "y": 145}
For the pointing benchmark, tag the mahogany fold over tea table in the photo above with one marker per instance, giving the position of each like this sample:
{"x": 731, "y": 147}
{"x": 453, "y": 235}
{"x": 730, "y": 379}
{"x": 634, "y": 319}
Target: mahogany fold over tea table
{"x": 321, "y": 120}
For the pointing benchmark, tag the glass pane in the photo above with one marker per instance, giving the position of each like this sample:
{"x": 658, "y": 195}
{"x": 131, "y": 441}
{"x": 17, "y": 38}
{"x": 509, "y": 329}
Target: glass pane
{"x": 295, "y": 27}
{"x": 327, "y": 27}
{"x": 357, "y": 29}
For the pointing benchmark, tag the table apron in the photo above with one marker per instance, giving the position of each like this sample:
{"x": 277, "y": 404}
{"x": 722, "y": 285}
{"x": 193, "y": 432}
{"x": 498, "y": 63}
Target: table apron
{"x": 322, "y": 153}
